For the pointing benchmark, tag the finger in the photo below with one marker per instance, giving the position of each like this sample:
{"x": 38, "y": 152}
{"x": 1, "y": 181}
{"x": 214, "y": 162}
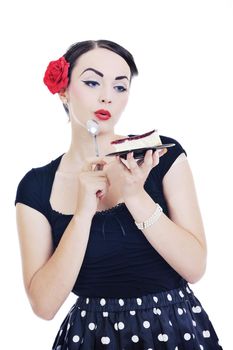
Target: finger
{"x": 121, "y": 163}
{"x": 148, "y": 160}
{"x": 162, "y": 152}
{"x": 103, "y": 185}
{"x": 156, "y": 156}
{"x": 92, "y": 161}
{"x": 133, "y": 165}
{"x": 101, "y": 174}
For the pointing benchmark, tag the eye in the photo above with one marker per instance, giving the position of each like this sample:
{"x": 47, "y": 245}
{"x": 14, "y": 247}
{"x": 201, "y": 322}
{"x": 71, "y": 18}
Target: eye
{"x": 90, "y": 83}
{"x": 120, "y": 88}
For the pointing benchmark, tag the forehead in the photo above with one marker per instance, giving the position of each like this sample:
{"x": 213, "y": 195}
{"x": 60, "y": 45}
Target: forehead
{"x": 105, "y": 61}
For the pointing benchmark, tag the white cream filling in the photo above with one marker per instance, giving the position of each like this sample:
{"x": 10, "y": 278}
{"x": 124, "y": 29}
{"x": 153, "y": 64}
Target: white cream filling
{"x": 148, "y": 141}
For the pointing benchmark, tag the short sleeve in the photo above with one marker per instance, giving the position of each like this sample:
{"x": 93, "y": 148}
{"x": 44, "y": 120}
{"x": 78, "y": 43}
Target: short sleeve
{"x": 29, "y": 192}
{"x": 169, "y": 158}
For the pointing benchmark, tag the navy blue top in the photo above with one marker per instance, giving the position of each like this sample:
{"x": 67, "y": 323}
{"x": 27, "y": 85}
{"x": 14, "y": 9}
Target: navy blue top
{"x": 119, "y": 261}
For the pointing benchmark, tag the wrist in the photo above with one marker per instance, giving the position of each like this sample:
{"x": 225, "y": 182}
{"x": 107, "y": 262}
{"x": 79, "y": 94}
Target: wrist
{"x": 151, "y": 219}
{"x": 136, "y": 198}
{"x": 141, "y": 206}
{"x": 84, "y": 215}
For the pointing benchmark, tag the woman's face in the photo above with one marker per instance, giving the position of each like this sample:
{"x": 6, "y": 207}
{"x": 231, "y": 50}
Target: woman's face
{"x": 99, "y": 80}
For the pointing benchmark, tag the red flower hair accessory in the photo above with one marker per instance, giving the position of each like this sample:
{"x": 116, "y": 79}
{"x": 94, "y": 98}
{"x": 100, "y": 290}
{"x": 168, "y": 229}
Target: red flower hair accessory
{"x": 56, "y": 75}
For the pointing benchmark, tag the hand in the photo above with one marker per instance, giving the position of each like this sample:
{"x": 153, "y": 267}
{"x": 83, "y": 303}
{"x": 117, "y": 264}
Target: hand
{"x": 92, "y": 185}
{"x": 132, "y": 178}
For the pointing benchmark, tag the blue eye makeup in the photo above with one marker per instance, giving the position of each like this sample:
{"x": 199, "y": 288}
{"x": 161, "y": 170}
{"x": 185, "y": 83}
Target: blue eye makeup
{"x": 93, "y": 83}
{"x": 120, "y": 88}
{"x": 90, "y": 83}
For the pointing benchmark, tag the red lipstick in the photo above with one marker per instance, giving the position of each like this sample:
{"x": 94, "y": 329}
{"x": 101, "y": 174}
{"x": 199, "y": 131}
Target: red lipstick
{"x": 103, "y": 114}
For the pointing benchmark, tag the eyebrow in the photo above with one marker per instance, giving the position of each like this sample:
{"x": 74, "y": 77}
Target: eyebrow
{"x": 101, "y": 74}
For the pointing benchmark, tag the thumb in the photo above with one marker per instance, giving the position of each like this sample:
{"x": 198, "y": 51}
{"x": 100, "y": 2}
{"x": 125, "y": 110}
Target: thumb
{"x": 91, "y": 162}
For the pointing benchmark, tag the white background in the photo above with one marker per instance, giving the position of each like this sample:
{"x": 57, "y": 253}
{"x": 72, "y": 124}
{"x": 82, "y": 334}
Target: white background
{"x": 184, "y": 54}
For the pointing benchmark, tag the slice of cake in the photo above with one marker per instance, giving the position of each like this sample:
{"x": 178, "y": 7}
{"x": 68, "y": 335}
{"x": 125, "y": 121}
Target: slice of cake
{"x": 149, "y": 139}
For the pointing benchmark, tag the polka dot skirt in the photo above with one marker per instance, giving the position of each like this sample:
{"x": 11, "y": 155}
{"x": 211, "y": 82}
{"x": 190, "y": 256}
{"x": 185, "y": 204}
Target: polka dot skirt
{"x": 173, "y": 320}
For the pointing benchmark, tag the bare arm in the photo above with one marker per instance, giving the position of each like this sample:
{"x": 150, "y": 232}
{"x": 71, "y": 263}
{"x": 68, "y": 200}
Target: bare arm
{"x": 49, "y": 277}
{"x": 180, "y": 239}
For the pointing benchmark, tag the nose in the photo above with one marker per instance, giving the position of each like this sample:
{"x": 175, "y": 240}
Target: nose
{"x": 104, "y": 100}
{"x": 105, "y": 96}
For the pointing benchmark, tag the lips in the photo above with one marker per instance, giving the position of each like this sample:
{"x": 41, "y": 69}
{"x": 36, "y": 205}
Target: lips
{"x": 103, "y": 114}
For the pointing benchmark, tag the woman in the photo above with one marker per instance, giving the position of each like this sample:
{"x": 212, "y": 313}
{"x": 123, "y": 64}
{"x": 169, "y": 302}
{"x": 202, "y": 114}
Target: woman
{"x": 79, "y": 232}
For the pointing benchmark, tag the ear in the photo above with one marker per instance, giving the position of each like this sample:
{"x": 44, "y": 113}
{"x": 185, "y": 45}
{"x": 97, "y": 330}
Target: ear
{"x": 63, "y": 94}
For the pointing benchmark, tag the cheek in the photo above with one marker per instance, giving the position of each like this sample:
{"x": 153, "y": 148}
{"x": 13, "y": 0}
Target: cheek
{"x": 80, "y": 96}
{"x": 123, "y": 101}
{"x": 75, "y": 91}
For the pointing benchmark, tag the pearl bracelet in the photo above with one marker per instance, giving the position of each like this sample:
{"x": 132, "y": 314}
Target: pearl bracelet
{"x": 151, "y": 220}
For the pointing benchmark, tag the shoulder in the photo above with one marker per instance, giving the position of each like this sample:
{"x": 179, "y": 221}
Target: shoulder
{"x": 34, "y": 186}
{"x": 170, "y": 157}
{"x": 36, "y": 174}
{"x": 33, "y": 177}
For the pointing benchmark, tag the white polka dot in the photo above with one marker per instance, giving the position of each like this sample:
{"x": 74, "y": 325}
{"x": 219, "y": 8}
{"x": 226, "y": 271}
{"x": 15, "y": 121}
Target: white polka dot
{"x": 163, "y": 337}
{"x": 121, "y": 325}
{"x": 146, "y": 324}
{"x": 193, "y": 336}
{"x": 135, "y": 338}
{"x": 181, "y": 293}
{"x": 116, "y": 326}
{"x": 160, "y": 337}
{"x": 184, "y": 310}
{"x": 132, "y": 312}
{"x": 188, "y": 290}
{"x": 201, "y": 347}
{"x": 196, "y": 309}
{"x": 156, "y": 311}
{"x": 58, "y": 347}
{"x": 105, "y": 340}
{"x": 76, "y": 338}
{"x": 170, "y": 323}
{"x": 150, "y": 349}
{"x": 180, "y": 311}
{"x": 206, "y": 334}
{"x": 61, "y": 331}
{"x": 139, "y": 301}
{"x": 83, "y": 313}
{"x": 91, "y": 326}
{"x": 155, "y": 299}
{"x": 121, "y": 302}
{"x": 102, "y": 302}
{"x": 68, "y": 326}
{"x": 176, "y": 348}
{"x": 105, "y": 314}
{"x": 187, "y": 336}
{"x": 87, "y": 301}
{"x": 169, "y": 297}
{"x": 194, "y": 323}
